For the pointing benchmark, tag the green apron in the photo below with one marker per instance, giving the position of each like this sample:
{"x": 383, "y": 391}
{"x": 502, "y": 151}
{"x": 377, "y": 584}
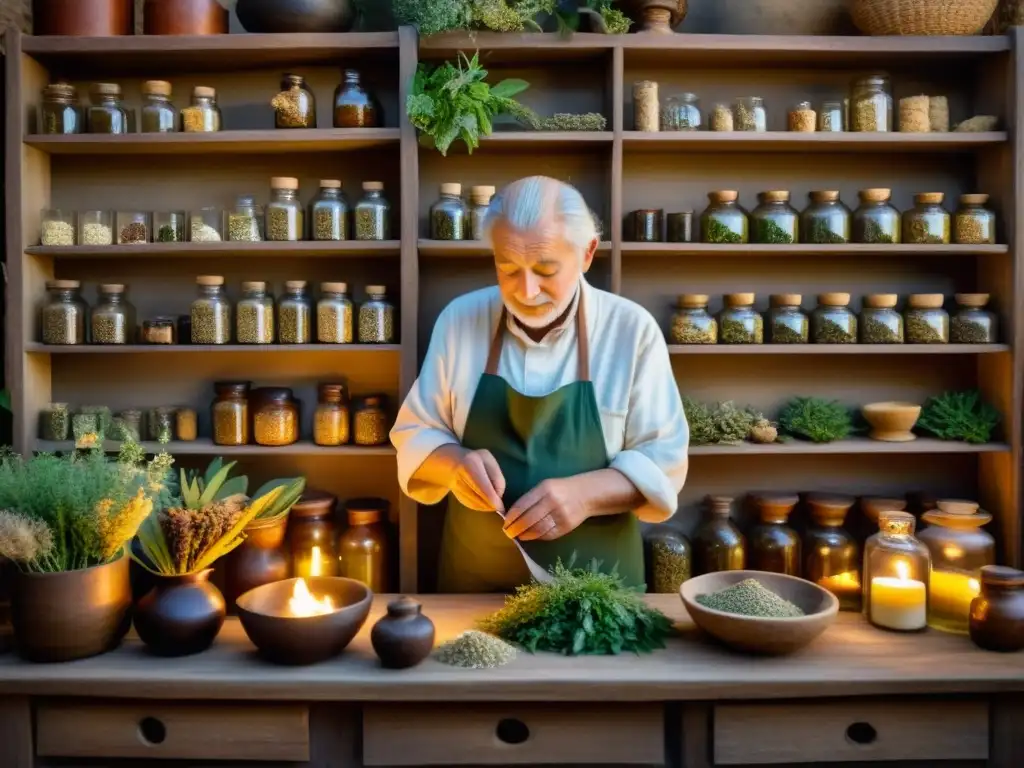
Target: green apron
{"x": 534, "y": 439}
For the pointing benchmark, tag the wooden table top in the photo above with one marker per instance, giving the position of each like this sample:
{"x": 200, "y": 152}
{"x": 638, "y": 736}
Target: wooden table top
{"x": 850, "y": 659}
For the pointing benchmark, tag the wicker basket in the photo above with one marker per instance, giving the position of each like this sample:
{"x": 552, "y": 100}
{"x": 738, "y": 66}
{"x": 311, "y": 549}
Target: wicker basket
{"x": 921, "y": 17}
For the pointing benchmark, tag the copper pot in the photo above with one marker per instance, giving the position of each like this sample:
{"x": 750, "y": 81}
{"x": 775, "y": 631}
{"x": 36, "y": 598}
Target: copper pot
{"x": 181, "y": 615}
{"x": 83, "y": 18}
{"x": 184, "y": 17}
{"x": 656, "y": 16}
{"x": 261, "y": 559}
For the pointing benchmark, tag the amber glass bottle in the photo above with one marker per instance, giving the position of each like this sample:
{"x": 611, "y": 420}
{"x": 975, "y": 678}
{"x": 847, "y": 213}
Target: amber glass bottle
{"x": 718, "y": 544}
{"x": 773, "y": 545}
{"x": 832, "y": 557}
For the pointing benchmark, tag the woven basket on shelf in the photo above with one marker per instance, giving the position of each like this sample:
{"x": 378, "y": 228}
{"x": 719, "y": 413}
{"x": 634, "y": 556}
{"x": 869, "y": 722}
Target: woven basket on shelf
{"x": 921, "y": 17}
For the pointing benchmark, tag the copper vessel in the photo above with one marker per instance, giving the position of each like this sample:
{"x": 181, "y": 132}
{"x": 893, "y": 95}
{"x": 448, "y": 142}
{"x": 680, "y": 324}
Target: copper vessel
{"x": 184, "y": 17}
{"x": 83, "y": 18}
{"x": 261, "y": 559}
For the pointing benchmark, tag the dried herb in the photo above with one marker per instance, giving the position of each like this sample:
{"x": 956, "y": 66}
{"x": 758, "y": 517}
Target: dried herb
{"x": 762, "y": 430}
{"x": 684, "y": 332}
{"x": 476, "y": 650}
{"x": 821, "y": 233}
{"x": 964, "y": 331}
{"x": 717, "y": 232}
{"x": 959, "y": 416}
{"x": 565, "y": 121}
{"x": 719, "y": 423}
{"x": 973, "y": 229}
{"x": 750, "y": 598}
{"x": 876, "y": 332}
{"x": 168, "y": 233}
{"x": 874, "y": 234}
{"x": 739, "y": 332}
{"x": 920, "y": 330}
{"x": 815, "y": 419}
{"x": 830, "y": 332}
{"x": 670, "y": 566}
{"x": 768, "y": 232}
{"x": 920, "y": 233}
{"x": 783, "y": 334}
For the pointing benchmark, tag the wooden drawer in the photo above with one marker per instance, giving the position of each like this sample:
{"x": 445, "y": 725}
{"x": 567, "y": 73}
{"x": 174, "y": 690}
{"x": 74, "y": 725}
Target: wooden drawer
{"x": 155, "y": 730}
{"x": 848, "y": 731}
{"x": 497, "y": 734}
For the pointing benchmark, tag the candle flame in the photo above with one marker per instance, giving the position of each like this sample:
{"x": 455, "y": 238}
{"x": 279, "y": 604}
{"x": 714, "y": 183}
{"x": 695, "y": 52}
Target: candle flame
{"x": 315, "y": 567}
{"x": 902, "y": 570}
{"x": 303, "y": 604}
{"x": 974, "y": 585}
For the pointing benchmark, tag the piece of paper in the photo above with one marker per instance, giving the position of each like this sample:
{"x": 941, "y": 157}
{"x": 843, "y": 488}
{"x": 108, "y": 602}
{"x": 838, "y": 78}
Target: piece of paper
{"x": 538, "y": 572}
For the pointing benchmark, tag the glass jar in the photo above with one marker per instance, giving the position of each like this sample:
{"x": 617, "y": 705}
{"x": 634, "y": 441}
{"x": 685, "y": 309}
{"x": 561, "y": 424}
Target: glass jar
{"x": 373, "y": 213}
{"x": 831, "y": 554}
{"x": 974, "y": 224}
{"x": 245, "y": 221}
{"x": 880, "y": 322}
{"x": 112, "y": 320}
{"x": 927, "y": 223}
{"x": 211, "y": 312}
{"x": 64, "y": 313}
{"x": 206, "y": 226}
{"x": 896, "y": 575}
{"x": 59, "y": 113}
{"x": 54, "y": 422}
{"x": 363, "y": 545}
{"x": 720, "y": 118}
{"x": 275, "y": 416}
{"x": 158, "y": 113}
{"x": 718, "y": 544}
{"x": 284, "y": 211}
{"x": 748, "y": 114}
{"x": 774, "y": 221}
{"x": 334, "y": 314}
{"x": 106, "y": 113}
{"x": 871, "y": 103}
{"x": 294, "y": 314}
{"x": 724, "y": 221}
{"x": 160, "y": 330}
{"x": 254, "y": 314}
{"x": 830, "y": 117}
{"x": 230, "y": 413}
{"x": 160, "y": 423}
{"x": 876, "y": 221}
{"x": 772, "y": 545}
{"x": 127, "y": 425}
{"x": 871, "y": 510}
{"x": 959, "y": 550}
{"x": 787, "y": 322}
{"x": 353, "y": 106}
{"x": 448, "y": 216}
{"x": 85, "y": 428}
{"x": 480, "y": 201}
{"x": 95, "y": 228}
{"x": 926, "y": 321}
{"x": 803, "y": 118}
{"x": 370, "y": 421}
{"x": 681, "y": 113}
{"x": 169, "y": 227}
{"x": 647, "y": 225}
{"x": 376, "y": 317}
{"x": 679, "y": 227}
{"x": 312, "y": 535}
{"x": 329, "y": 212}
{"x": 691, "y": 321}
{"x": 104, "y": 417}
{"x": 57, "y": 229}
{"x": 739, "y": 322}
{"x": 832, "y": 321}
{"x": 331, "y": 421}
{"x": 186, "y": 425}
{"x": 203, "y": 115}
{"x": 668, "y": 558}
{"x": 132, "y": 228}
{"x": 646, "y": 106}
{"x": 972, "y": 323}
{"x": 826, "y": 221}
{"x": 295, "y": 105}
{"x": 997, "y": 614}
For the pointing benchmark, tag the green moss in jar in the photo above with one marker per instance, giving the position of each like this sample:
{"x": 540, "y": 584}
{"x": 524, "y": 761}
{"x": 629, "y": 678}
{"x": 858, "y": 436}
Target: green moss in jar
{"x": 880, "y": 323}
{"x": 774, "y": 221}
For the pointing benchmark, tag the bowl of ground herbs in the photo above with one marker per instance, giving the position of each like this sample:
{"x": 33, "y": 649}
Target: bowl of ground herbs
{"x": 759, "y": 612}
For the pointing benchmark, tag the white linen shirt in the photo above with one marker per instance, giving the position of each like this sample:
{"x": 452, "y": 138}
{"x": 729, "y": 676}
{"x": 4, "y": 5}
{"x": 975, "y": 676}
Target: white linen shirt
{"x": 645, "y": 430}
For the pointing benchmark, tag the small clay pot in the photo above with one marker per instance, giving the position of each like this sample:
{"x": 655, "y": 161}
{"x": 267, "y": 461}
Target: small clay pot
{"x": 997, "y": 614}
{"x": 404, "y": 637}
{"x": 892, "y": 422}
{"x": 181, "y": 615}
{"x": 184, "y": 17}
{"x": 261, "y": 559}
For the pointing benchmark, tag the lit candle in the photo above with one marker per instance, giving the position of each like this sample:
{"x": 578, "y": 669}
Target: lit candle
{"x": 949, "y": 603}
{"x": 898, "y": 603}
{"x": 842, "y": 584}
{"x": 316, "y": 563}
{"x": 302, "y": 604}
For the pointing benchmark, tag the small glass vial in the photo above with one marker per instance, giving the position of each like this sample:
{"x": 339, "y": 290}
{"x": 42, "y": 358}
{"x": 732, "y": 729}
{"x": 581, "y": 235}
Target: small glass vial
{"x": 312, "y": 536}
{"x": 54, "y": 422}
{"x": 96, "y": 228}
{"x": 373, "y": 213}
{"x": 284, "y": 211}
{"x": 132, "y": 228}
{"x": 718, "y": 544}
{"x": 927, "y": 223}
{"x": 160, "y": 330}
{"x": 254, "y": 314}
{"x": 830, "y": 117}
{"x": 831, "y": 554}
{"x": 449, "y": 218}
{"x": 772, "y": 545}
{"x": 972, "y": 323}
{"x": 276, "y": 418}
{"x": 720, "y": 118}
{"x": 896, "y": 575}
{"x": 203, "y": 114}
{"x": 724, "y": 221}
{"x": 294, "y": 314}
{"x": 230, "y": 413}
{"x": 691, "y": 321}
{"x": 681, "y": 113}
{"x": 353, "y": 106}
{"x": 186, "y": 425}
{"x": 57, "y": 229}
{"x": 59, "y": 114}
{"x": 363, "y": 545}
{"x": 880, "y": 322}
{"x": 646, "y": 106}
{"x": 826, "y": 221}
{"x": 331, "y": 420}
{"x": 370, "y": 421}
{"x": 748, "y": 114}
{"x": 112, "y": 320}
{"x": 376, "y": 317}
{"x": 64, "y": 313}
{"x": 925, "y": 320}
{"x": 106, "y": 113}
{"x": 832, "y": 321}
{"x": 876, "y": 221}
{"x": 169, "y": 227}
{"x": 774, "y": 221}
{"x": 295, "y": 105}
{"x": 739, "y": 322}
{"x": 158, "y": 113}
{"x": 647, "y": 225}
{"x": 211, "y": 312}
{"x": 679, "y": 227}
{"x": 669, "y": 559}
{"x": 206, "y": 226}
{"x": 974, "y": 224}
{"x": 328, "y": 212}
{"x": 787, "y": 322}
{"x": 803, "y": 118}
{"x": 997, "y": 614}
{"x": 871, "y": 104}
{"x": 480, "y": 201}
{"x": 245, "y": 221}
{"x": 334, "y": 314}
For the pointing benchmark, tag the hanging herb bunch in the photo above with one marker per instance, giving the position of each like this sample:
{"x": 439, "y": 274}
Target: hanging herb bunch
{"x": 431, "y": 17}
{"x": 959, "y": 416}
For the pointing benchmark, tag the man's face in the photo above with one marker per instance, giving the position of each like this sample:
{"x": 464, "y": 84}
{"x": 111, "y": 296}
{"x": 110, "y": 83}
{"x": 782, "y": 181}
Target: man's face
{"x": 538, "y": 271}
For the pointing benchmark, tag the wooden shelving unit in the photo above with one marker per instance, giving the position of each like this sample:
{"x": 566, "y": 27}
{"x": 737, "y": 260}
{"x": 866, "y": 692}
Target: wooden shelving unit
{"x": 617, "y": 170}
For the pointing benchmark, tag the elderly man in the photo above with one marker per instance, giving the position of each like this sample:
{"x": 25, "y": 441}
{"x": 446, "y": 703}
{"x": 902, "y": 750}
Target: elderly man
{"x": 545, "y": 400}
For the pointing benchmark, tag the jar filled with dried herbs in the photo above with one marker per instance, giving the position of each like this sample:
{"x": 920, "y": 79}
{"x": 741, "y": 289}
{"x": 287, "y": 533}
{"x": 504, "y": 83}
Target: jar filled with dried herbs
{"x": 876, "y": 221}
{"x": 826, "y": 221}
{"x": 373, "y": 213}
{"x": 160, "y": 330}
{"x": 480, "y": 201}
{"x": 112, "y": 320}
{"x": 880, "y": 322}
{"x": 126, "y": 425}
{"x": 681, "y": 113}
{"x": 871, "y": 103}
{"x": 646, "y": 106}
{"x": 254, "y": 314}
{"x": 106, "y": 112}
{"x": 54, "y": 422}
{"x": 830, "y": 117}
{"x": 787, "y": 322}
{"x": 334, "y": 314}
{"x": 691, "y": 321}
{"x": 160, "y": 424}
{"x": 295, "y": 105}
{"x": 169, "y": 227}
{"x": 927, "y": 223}
{"x": 974, "y": 224}
{"x": 57, "y": 228}
{"x": 104, "y": 417}
{"x": 720, "y": 118}
{"x": 749, "y": 114}
{"x": 59, "y": 114}
{"x": 203, "y": 114}
{"x": 96, "y": 228}
{"x": 724, "y": 222}
{"x": 285, "y": 219}
{"x": 211, "y": 312}
{"x": 668, "y": 560}
{"x": 331, "y": 420}
{"x": 275, "y": 416}
{"x": 206, "y": 225}
{"x": 295, "y": 314}
{"x": 774, "y": 221}
{"x": 245, "y": 221}
{"x": 329, "y": 211}
{"x": 773, "y": 546}
{"x": 925, "y": 320}
{"x": 449, "y": 219}
{"x": 158, "y": 113}
{"x": 739, "y": 322}
{"x": 370, "y": 421}
{"x": 718, "y": 544}
{"x": 376, "y": 317}
{"x": 186, "y": 425}
{"x": 647, "y": 225}
{"x": 230, "y": 413}
{"x": 832, "y": 321}
{"x": 132, "y": 228}
{"x": 64, "y": 313}
{"x": 85, "y": 428}
{"x": 973, "y": 323}
{"x": 353, "y": 106}
{"x": 803, "y": 118}
{"x": 679, "y": 227}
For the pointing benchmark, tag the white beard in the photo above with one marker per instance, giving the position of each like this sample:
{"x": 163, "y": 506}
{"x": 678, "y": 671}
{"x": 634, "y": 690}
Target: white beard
{"x": 542, "y": 321}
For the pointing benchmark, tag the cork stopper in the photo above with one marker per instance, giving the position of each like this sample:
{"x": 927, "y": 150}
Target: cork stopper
{"x": 295, "y": 285}
{"x": 63, "y": 285}
{"x": 929, "y": 198}
{"x": 774, "y": 196}
{"x": 877, "y": 195}
{"x": 59, "y": 89}
{"x": 334, "y": 287}
{"x": 254, "y": 285}
{"x": 363, "y": 516}
{"x": 872, "y": 507}
{"x": 692, "y": 300}
{"x": 881, "y": 300}
{"x": 209, "y": 280}
{"x": 926, "y": 300}
{"x": 451, "y": 188}
{"x": 739, "y": 299}
{"x": 824, "y": 196}
{"x": 482, "y": 195}
{"x": 1001, "y": 576}
{"x": 957, "y": 506}
{"x": 330, "y": 184}
{"x": 111, "y": 288}
{"x": 830, "y": 511}
{"x": 785, "y": 299}
{"x": 896, "y": 523}
{"x": 957, "y": 513}
{"x": 834, "y": 299}
{"x": 284, "y": 182}
{"x": 720, "y": 506}
{"x": 776, "y": 508}
{"x": 156, "y": 88}
{"x": 971, "y": 299}
{"x": 974, "y": 199}
{"x": 376, "y": 289}
{"x": 724, "y": 196}
{"x": 204, "y": 92}
{"x": 106, "y": 89}
{"x": 373, "y": 186}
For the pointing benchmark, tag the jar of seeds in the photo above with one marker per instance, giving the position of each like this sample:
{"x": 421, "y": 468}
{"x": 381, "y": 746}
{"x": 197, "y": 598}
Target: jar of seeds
{"x": 57, "y": 229}
{"x": 972, "y": 323}
{"x": 86, "y": 431}
{"x": 295, "y": 314}
{"x": 158, "y": 113}
{"x": 449, "y": 219}
{"x": 132, "y": 228}
{"x": 160, "y": 422}
{"x": 925, "y": 320}
{"x": 95, "y": 228}
{"x": 284, "y": 211}
{"x": 749, "y": 114}
{"x": 254, "y": 315}
{"x": 169, "y": 227}
{"x": 927, "y": 223}
{"x": 974, "y": 224}
{"x": 876, "y": 221}
{"x": 64, "y": 313}
{"x": 681, "y": 113}
{"x": 206, "y": 225}
{"x": 739, "y": 322}
{"x": 832, "y": 321}
{"x": 353, "y": 106}
{"x": 774, "y": 221}
{"x": 376, "y": 317}
{"x": 211, "y": 312}
{"x": 160, "y": 330}
{"x": 230, "y": 413}
{"x": 647, "y": 225}
{"x": 787, "y": 322}
{"x": 679, "y": 227}
{"x": 830, "y": 117}
{"x": 203, "y": 115}
{"x": 370, "y": 421}
{"x": 59, "y": 113}
{"x": 772, "y": 545}
{"x": 295, "y": 105}
{"x": 720, "y": 118}
{"x": 691, "y": 321}
{"x": 245, "y": 221}
{"x": 331, "y": 422}
{"x": 54, "y": 422}
{"x": 724, "y": 222}
{"x": 334, "y": 314}
{"x": 646, "y": 106}
{"x": 373, "y": 213}
{"x": 186, "y": 425}
{"x": 329, "y": 212}
{"x": 106, "y": 113}
{"x": 880, "y": 323}
{"x": 871, "y": 103}
{"x": 803, "y": 118}
{"x": 668, "y": 559}
{"x": 276, "y": 417}
{"x": 113, "y": 317}
{"x": 826, "y": 221}
{"x": 127, "y": 425}
{"x": 480, "y": 201}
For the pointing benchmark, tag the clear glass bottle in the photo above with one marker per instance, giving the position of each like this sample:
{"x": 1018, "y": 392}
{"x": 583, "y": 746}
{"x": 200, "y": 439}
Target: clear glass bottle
{"x": 158, "y": 113}
{"x": 331, "y": 420}
{"x": 211, "y": 312}
{"x": 230, "y": 413}
{"x": 206, "y": 225}
{"x": 59, "y": 114}
{"x": 691, "y": 321}
{"x": 925, "y": 320}
{"x": 373, "y": 213}
{"x": 312, "y": 535}
{"x": 772, "y": 545}
{"x": 739, "y": 322}
{"x": 334, "y": 314}
{"x": 245, "y": 221}
{"x": 972, "y": 323}
{"x": 363, "y": 545}
{"x": 295, "y": 105}
{"x": 376, "y": 317}
{"x": 832, "y": 321}
{"x": 974, "y": 224}
{"x": 896, "y": 574}
{"x": 774, "y": 221}
{"x": 718, "y": 544}
{"x": 668, "y": 558}
{"x": 370, "y": 421}
{"x": 96, "y": 228}
{"x": 284, "y": 211}
{"x": 681, "y": 113}
{"x": 449, "y": 219}
{"x": 927, "y": 223}
{"x": 787, "y": 322}
{"x": 64, "y": 313}
{"x": 724, "y": 221}
{"x": 57, "y": 229}
{"x": 826, "y": 221}
{"x": 112, "y": 319}
{"x": 480, "y": 201}
{"x": 203, "y": 114}
{"x": 169, "y": 227}
{"x": 831, "y": 554}
{"x": 160, "y": 330}
{"x": 133, "y": 228}
{"x": 106, "y": 112}
{"x": 353, "y": 106}
{"x": 254, "y": 314}
{"x": 295, "y": 314}
{"x": 749, "y": 114}
{"x": 803, "y": 118}
{"x": 328, "y": 212}
{"x": 876, "y": 221}
{"x": 871, "y": 103}
{"x": 880, "y": 322}
{"x": 275, "y": 417}
{"x": 830, "y": 117}
{"x": 865, "y": 525}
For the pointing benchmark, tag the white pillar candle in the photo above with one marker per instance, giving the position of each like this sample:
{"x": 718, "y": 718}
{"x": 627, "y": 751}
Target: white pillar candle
{"x": 898, "y": 602}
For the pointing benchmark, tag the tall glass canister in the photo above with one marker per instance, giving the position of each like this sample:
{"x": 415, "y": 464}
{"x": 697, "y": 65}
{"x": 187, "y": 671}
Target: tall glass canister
{"x": 897, "y": 569}
{"x": 772, "y": 545}
{"x": 718, "y": 545}
{"x": 831, "y": 553}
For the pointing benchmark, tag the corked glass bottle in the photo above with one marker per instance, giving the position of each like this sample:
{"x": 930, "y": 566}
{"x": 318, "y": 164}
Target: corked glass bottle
{"x": 295, "y": 105}
{"x": 972, "y": 323}
{"x": 832, "y": 321}
{"x": 927, "y": 223}
{"x": 669, "y": 559}
{"x": 691, "y": 321}
{"x": 774, "y": 546}
{"x": 880, "y": 323}
{"x": 832, "y": 555}
{"x": 158, "y": 113}
{"x": 724, "y": 222}
{"x": 480, "y": 201}
{"x": 718, "y": 544}
{"x": 876, "y": 221}
{"x": 787, "y": 322}
{"x": 926, "y": 320}
{"x": 739, "y": 322}
{"x": 826, "y": 221}
{"x": 774, "y": 221}
{"x": 353, "y": 106}
{"x": 974, "y": 224}
{"x": 896, "y": 570}
{"x": 449, "y": 218}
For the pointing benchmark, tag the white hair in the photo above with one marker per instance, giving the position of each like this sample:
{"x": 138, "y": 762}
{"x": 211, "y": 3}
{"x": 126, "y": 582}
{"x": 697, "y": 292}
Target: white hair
{"x": 535, "y": 200}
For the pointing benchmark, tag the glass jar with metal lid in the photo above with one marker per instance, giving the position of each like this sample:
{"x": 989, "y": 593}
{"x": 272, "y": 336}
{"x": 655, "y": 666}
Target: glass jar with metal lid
{"x": 329, "y": 212}
{"x": 275, "y": 416}
{"x": 331, "y": 420}
{"x": 448, "y": 216}
{"x": 927, "y": 223}
{"x": 113, "y": 317}
{"x": 363, "y": 545}
{"x": 681, "y": 113}
{"x": 370, "y": 421}
{"x": 739, "y": 322}
{"x": 295, "y": 105}
{"x": 295, "y": 314}
{"x": 787, "y": 322}
{"x": 373, "y": 213}
{"x": 774, "y": 221}
{"x": 376, "y": 317}
{"x": 245, "y": 221}
{"x": 254, "y": 314}
{"x": 668, "y": 558}
{"x": 925, "y": 319}
{"x": 974, "y": 224}
{"x": 831, "y": 117}
{"x": 334, "y": 314}
{"x": 284, "y": 211}
{"x": 832, "y": 321}
{"x": 211, "y": 312}
{"x": 203, "y": 114}
{"x": 480, "y": 201}
{"x": 106, "y": 112}
{"x": 826, "y": 221}
{"x": 749, "y": 114}
{"x": 230, "y": 413}
{"x": 831, "y": 553}
{"x": 880, "y": 322}
{"x": 718, "y": 544}
{"x": 876, "y": 221}
{"x": 724, "y": 221}
{"x": 871, "y": 103}
{"x": 158, "y": 113}
{"x": 353, "y": 106}
{"x": 691, "y": 321}
{"x": 772, "y": 545}
{"x": 64, "y": 313}
{"x": 312, "y": 535}
{"x": 896, "y": 570}
{"x": 972, "y": 323}
{"x": 59, "y": 113}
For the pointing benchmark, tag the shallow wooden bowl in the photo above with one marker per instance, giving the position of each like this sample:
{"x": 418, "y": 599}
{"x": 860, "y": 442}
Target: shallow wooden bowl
{"x": 892, "y": 422}
{"x": 293, "y": 640}
{"x": 758, "y": 635}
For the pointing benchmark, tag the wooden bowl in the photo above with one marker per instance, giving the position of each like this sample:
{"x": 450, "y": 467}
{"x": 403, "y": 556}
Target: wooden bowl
{"x": 292, "y": 640}
{"x": 892, "y": 422}
{"x": 760, "y": 635}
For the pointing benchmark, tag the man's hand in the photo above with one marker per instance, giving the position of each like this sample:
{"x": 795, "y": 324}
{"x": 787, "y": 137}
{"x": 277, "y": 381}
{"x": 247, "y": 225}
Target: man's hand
{"x": 550, "y": 511}
{"x": 477, "y": 482}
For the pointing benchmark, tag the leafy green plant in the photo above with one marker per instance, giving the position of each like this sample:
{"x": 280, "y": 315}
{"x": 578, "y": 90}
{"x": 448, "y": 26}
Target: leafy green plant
{"x": 815, "y": 419}
{"x": 216, "y": 484}
{"x": 605, "y": 17}
{"x": 720, "y": 423}
{"x": 434, "y": 16}
{"x": 959, "y": 416}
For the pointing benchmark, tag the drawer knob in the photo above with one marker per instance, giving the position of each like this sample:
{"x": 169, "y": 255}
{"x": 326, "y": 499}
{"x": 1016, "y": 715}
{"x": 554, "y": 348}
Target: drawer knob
{"x": 511, "y": 730}
{"x": 861, "y": 733}
{"x": 152, "y": 731}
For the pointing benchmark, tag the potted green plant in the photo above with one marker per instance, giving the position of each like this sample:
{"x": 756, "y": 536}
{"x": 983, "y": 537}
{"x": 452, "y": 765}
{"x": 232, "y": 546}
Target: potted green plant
{"x": 65, "y": 522}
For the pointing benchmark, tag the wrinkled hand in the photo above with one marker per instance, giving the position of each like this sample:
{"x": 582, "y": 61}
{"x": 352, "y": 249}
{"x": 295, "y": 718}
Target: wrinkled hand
{"x": 548, "y": 512}
{"x": 478, "y": 483}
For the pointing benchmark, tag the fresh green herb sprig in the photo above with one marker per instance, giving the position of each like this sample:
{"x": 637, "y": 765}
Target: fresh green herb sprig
{"x": 815, "y": 419}
{"x": 959, "y": 416}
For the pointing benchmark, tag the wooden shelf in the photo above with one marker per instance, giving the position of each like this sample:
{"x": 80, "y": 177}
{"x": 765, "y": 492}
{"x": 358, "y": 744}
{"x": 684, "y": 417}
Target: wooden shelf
{"x": 787, "y": 141}
{"x": 207, "y": 349}
{"x": 849, "y": 447}
{"x": 838, "y": 349}
{"x": 205, "y": 446}
{"x": 852, "y": 249}
{"x": 473, "y": 248}
{"x": 308, "y": 248}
